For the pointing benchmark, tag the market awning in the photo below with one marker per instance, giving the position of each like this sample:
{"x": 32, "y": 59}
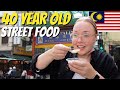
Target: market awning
{"x": 3, "y": 55}
{"x": 18, "y": 57}
{"x": 2, "y": 58}
{"x": 15, "y": 57}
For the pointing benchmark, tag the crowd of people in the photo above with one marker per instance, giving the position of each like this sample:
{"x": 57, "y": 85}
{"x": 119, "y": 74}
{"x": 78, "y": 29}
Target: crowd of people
{"x": 15, "y": 73}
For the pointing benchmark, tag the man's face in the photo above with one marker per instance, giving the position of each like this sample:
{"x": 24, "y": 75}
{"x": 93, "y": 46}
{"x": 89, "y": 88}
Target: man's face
{"x": 83, "y": 37}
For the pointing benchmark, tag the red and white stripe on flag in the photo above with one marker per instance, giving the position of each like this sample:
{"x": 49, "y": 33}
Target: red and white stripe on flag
{"x": 111, "y": 21}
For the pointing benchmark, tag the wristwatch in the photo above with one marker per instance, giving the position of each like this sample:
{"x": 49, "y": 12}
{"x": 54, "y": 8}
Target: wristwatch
{"x": 96, "y": 76}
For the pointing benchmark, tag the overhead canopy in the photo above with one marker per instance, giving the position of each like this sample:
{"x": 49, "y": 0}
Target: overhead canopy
{"x": 2, "y": 58}
{"x": 14, "y": 57}
{"x": 18, "y": 57}
{"x": 2, "y": 55}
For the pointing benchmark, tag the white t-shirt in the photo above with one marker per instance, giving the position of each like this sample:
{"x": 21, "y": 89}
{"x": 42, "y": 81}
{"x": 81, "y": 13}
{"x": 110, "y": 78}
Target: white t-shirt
{"x": 24, "y": 73}
{"x": 9, "y": 72}
{"x": 77, "y": 76}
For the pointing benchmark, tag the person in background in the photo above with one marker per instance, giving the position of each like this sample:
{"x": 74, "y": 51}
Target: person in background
{"x": 8, "y": 74}
{"x": 91, "y": 63}
{"x": 24, "y": 74}
{"x": 1, "y": 74}
{"x": 30, "y": 74}
{"x": 13, "y": 73}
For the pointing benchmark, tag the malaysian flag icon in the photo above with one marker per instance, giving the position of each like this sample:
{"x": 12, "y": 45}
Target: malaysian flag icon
{"x": 111, "y": 21}
{"x": 97, "y": 16}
